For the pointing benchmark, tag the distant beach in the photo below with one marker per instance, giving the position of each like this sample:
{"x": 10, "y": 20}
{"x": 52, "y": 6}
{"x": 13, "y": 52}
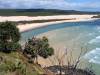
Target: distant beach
{"x": 26, "y": 27}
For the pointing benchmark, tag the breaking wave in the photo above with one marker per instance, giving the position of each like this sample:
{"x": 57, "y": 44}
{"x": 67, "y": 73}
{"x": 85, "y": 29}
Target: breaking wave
{"x": 93, "y": 56}
{"x": 96, "y": 40}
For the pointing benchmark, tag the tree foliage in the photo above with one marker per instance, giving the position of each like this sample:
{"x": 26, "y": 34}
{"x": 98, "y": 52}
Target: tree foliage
{"x": 38, "y": 47}
{"x": 9, "y": 36}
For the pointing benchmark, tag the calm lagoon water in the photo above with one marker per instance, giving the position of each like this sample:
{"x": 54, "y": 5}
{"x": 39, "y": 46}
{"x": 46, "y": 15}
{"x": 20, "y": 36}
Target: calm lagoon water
{"x": 73, "y": 36}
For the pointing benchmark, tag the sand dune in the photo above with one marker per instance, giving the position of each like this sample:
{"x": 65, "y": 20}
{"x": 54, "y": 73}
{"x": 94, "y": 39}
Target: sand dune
{"x": 26, "y": 27}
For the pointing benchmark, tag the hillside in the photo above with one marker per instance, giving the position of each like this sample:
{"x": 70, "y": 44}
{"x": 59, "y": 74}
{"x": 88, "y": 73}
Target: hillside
{"x": 40, "y": 12}
{"x": 16, "y": 64}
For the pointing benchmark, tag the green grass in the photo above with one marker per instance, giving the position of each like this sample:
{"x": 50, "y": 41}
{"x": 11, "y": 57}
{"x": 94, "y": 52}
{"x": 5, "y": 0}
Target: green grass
{"x": 14, "y": 62}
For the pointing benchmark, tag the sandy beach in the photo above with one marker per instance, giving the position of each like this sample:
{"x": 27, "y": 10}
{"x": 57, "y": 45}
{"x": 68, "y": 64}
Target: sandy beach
{"x": 26, "y": 27}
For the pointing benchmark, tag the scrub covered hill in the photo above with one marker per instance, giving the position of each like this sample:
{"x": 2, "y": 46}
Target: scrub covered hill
{"x": 40, "y": 12}
{"x": 15, "y": 64}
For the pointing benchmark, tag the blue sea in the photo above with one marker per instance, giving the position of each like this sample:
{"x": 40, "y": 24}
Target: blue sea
{"x": 73, "y": 36}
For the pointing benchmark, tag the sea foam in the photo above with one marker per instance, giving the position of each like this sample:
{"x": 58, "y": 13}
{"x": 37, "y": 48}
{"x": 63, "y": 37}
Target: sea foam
{"x": 93, "y": 56}
{"x": 96, "y": 40}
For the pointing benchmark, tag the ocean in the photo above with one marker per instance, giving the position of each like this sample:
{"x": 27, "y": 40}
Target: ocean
{"x": 76, "y": 37}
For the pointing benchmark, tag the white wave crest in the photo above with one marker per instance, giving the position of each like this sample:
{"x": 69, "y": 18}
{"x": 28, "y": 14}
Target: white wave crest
{"x": 93, "y": 56}
{"x": 96, "y": 40}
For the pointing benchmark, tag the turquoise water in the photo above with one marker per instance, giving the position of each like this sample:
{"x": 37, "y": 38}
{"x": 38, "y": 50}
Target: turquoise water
{"x": 73, "y": 36}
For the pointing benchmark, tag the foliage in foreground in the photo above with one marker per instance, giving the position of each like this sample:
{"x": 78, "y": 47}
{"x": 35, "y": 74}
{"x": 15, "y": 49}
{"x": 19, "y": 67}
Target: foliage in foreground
{"x": 66, "y": 65}
{"x": 9, "y": 37}
{"x": 12, "y": 64}
{"x": 38, "y": 47}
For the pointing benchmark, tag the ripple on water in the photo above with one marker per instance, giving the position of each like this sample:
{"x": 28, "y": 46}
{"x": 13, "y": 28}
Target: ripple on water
{"x": 93, "y": 56}
{"x": 96, "y": 40}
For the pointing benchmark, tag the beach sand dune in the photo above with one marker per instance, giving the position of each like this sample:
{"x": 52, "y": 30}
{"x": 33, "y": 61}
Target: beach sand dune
{"x": 26, "y": 27}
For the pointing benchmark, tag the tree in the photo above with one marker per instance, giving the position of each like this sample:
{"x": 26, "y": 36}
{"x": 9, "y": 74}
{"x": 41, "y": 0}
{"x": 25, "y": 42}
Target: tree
{"x": 38, "y": 47}
{"x": 9, "y": 36}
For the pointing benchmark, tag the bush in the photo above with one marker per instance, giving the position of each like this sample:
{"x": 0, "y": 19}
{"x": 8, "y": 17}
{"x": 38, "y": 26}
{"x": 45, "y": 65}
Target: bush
{"x": 9, "y": 37}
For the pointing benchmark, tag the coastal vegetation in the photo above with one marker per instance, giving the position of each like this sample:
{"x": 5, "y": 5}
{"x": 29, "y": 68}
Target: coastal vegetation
{"x": 40, "y": 12}
{"x": 98, "y": 16}
{"x": 38, "y": 21}
{"x": 38, "y": 47}
{"x": 9, "y": 37}
{"x": 17, "y": 60}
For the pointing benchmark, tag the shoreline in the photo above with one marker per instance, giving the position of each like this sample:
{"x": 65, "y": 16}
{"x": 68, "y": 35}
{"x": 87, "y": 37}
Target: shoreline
{"x": 27, "y": 27}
